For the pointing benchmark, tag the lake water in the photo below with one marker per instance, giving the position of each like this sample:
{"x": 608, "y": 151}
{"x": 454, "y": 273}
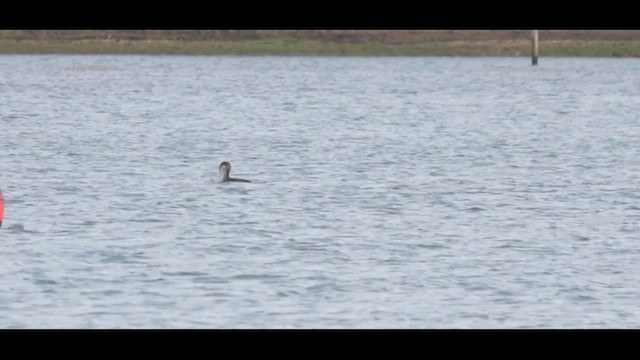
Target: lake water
{"x": 387, "y": 193}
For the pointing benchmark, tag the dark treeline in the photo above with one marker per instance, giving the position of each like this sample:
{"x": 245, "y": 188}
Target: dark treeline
{"x": 382, "y": 36}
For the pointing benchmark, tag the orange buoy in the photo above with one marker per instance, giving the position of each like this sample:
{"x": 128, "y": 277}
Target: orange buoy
{"x": 1, "y": 208}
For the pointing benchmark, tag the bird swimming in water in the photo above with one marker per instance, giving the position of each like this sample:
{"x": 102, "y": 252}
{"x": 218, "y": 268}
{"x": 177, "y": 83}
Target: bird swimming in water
{"x": 225, "y": 169}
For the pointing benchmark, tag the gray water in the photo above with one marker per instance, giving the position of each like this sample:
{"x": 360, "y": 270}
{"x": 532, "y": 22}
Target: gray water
{"x": 387, "y": 193}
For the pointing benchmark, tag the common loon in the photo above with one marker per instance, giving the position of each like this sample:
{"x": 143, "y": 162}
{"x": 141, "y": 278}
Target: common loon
{"x": 225, "y": 169}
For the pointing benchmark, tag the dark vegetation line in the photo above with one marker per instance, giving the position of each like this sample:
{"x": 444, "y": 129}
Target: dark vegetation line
{"x": 623, "y": 43}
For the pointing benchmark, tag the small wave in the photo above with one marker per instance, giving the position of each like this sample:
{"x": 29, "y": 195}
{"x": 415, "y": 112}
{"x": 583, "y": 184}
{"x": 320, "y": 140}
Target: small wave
{"x": 429, "y": 246}
{"x": 185, "y": 273}
{"x": 19, "y": 228}
{"x": 45, "y": 282}
{"x": 255, "y": 277}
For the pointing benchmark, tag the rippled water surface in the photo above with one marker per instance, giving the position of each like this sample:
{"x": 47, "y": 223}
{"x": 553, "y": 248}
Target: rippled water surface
{"x": 387, "y": 193}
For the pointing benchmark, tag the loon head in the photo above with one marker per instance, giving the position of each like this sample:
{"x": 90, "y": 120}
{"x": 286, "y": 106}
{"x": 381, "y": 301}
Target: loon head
{"x": 224, "y": 169}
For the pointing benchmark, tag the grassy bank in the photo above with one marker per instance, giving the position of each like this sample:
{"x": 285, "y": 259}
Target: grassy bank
{"x": 328, "y": 43}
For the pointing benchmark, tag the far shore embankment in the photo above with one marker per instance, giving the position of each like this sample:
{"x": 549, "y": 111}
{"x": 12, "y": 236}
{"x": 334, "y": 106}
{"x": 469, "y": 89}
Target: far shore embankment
{"x": 553, "y": 43}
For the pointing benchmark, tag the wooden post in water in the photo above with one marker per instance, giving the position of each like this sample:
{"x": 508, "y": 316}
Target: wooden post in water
{"x": 534, "y": 47}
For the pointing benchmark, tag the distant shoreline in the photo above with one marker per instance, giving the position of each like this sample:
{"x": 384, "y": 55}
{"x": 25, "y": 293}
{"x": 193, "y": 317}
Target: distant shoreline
{"x": 494, "y": 43}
